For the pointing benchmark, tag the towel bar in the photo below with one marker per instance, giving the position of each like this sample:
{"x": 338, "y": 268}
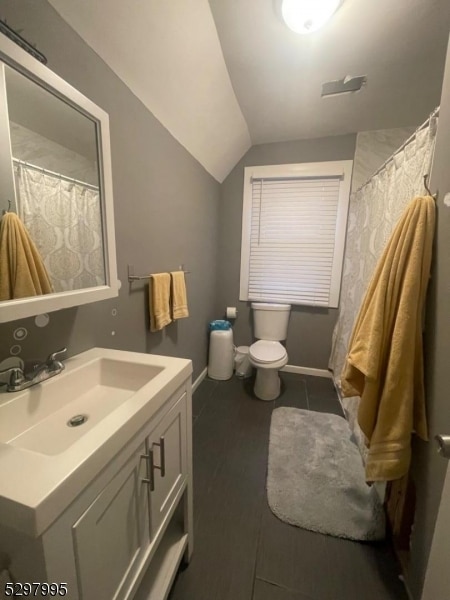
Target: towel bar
{"x": 133, "y": 277}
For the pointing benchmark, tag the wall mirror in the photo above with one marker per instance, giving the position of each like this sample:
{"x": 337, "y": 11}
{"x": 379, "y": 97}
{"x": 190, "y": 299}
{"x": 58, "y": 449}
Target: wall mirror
{"x": 55, "y": 175}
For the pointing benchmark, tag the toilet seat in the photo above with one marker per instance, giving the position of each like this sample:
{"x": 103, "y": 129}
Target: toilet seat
{"x": 266, "y": 352}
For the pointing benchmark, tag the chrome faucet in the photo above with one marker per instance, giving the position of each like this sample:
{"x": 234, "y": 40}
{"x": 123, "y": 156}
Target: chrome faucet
{"x": 20, "y": 379}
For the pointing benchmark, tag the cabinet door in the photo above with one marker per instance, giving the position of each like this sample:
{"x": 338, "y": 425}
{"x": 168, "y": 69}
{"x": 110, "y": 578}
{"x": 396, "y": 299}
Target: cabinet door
{"x": 170, "y": 434}
{"x": 113, "y": 534}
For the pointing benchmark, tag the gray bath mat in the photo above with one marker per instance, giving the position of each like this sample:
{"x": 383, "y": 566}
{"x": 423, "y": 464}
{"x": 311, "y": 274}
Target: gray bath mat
{"x": 315, "y": 477}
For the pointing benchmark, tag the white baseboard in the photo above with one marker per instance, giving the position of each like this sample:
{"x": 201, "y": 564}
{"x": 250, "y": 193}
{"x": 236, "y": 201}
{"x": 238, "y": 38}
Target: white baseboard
{"x": 307, "y": 371}
{"x": 199, "y": 379}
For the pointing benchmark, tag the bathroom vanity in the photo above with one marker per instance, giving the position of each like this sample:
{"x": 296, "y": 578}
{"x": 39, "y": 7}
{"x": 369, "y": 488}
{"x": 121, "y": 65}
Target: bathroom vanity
{"x": 104, "y": 507}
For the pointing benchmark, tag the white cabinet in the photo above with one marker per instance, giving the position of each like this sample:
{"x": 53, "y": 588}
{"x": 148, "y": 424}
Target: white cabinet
{"x": 167, "y": 464}
{"x": 112, "y": 535}
{"x": 127, "y": 531}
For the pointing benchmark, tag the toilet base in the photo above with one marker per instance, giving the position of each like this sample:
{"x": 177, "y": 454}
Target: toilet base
{"x": 267, "y": 384}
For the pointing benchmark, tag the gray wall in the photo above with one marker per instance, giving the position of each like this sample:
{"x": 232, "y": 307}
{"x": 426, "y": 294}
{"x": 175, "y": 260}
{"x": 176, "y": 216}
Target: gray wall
{"x": 428, "y": 469}
{"x": 166, "y": 210}
{"x": 310, "y": 328}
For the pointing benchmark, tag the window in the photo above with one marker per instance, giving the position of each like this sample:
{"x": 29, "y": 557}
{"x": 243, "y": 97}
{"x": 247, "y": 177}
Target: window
{"x": 293, "y": 232}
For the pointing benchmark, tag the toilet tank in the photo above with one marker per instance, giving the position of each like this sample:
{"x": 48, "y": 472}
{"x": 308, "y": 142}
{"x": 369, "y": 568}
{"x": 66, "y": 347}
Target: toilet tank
{"x": 271, "y": 321}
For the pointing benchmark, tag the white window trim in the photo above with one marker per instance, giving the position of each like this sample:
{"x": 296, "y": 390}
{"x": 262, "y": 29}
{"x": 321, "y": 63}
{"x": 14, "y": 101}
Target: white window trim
{"x": 341, "y": 169}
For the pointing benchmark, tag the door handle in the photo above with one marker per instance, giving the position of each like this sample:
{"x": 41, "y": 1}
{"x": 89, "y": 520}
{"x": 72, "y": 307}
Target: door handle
{"x": 162, "y": 455}
{"x": 150, "y": 479}
{"x": 443, "y": 442}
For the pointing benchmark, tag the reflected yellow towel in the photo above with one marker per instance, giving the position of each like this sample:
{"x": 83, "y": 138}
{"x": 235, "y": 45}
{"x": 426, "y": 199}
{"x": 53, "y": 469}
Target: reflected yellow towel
{"x": 159, "y": 296}
{"x": 179, "y": 296}
{"x": 22, "y": 271}
{"x": 384, "y": 364}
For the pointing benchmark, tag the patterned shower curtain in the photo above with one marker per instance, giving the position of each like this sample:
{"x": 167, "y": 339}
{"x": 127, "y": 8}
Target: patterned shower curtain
{"x": 64, "y": 220}
{"x": 373, "y": 213}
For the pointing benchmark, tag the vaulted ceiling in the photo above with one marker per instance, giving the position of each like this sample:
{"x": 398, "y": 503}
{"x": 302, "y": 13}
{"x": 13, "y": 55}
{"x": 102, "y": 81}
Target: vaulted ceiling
{"x": 225, "y": 74}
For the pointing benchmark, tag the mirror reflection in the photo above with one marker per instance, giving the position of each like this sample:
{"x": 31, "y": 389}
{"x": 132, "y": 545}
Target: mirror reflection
{"x": 54, "y": 156}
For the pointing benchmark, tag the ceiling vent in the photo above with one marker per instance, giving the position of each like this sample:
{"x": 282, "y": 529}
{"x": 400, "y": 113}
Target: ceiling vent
{"x": 348, "y": 85}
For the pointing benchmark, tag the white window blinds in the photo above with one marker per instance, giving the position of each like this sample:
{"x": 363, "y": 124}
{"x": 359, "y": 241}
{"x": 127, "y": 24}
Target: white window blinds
{"x": 295, "y": 240}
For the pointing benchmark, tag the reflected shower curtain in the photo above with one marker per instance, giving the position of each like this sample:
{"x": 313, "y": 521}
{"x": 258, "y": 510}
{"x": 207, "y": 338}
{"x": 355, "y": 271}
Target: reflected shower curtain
{"x": 373, "y": 213}
{"x": 64, "y": 220}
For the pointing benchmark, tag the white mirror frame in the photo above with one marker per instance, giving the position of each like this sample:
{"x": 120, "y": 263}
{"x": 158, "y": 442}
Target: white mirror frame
{"x": 10, "y": 310}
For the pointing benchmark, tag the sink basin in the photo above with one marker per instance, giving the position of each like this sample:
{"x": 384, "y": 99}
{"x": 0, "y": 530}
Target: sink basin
{"x": 39, "y": 420}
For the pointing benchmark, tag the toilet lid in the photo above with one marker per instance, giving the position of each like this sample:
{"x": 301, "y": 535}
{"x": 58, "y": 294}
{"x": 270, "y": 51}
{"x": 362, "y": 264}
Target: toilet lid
{"x": 266, "y": 352}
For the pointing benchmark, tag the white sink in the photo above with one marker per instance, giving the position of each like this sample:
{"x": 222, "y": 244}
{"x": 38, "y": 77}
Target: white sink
{"x": 44, "y": 462}
{"x": 39, "y": 420}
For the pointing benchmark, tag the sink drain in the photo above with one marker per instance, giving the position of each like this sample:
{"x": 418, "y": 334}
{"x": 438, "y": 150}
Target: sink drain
{"x": 77, "y": 420}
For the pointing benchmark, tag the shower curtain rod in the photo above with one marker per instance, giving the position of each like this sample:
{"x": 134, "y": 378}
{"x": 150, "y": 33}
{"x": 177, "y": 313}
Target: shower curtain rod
{"x": 435, "y": 113}
{"x": 54, "y": 174}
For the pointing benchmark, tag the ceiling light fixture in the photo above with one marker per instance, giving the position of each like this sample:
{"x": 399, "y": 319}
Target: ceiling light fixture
{"x": 306, "y": 16}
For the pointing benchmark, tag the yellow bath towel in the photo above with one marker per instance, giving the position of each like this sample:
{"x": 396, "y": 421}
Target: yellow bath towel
{"x": 159, "y": 296}
{"x": 22, "y": 271}
{"x": 179, "y": 295}
{"x": 384, "y": 364}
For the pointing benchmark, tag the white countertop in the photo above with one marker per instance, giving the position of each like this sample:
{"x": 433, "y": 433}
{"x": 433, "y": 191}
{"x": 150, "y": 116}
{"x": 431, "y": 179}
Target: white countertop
{"x": 36, "y": 488}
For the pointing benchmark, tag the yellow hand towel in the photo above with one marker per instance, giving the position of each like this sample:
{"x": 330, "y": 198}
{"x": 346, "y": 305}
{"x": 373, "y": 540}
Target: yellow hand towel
{"x": 22, "y": 271}
{"x": 159, "y": 296}
{"x": 384, "y": 364}
{"x": 179, "y": 296}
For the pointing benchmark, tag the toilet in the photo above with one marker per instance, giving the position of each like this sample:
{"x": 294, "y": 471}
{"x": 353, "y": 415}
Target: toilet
{"x": 267, "y": 354}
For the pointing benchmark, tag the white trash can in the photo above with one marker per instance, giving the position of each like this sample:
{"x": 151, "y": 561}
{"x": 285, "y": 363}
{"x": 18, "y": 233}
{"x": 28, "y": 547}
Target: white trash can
{"x": 221, "y": 354}
{"x": 242, "y": 362}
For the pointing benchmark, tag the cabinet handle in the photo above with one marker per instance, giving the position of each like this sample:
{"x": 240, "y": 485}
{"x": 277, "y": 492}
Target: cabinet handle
{"x": 162, "y": 454}
{"x": 150, "y": 480}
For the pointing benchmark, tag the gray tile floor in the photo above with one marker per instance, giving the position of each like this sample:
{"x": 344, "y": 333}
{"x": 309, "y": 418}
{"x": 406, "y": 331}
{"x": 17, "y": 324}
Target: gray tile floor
{"x": 241, "y": 550}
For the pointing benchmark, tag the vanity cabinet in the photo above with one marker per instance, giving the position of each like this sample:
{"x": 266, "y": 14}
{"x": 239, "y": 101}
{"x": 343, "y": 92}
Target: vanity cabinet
{"x": 166, "y": 464}
{"x": 112, "y": 535}
{"x": 124, "y": 536}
